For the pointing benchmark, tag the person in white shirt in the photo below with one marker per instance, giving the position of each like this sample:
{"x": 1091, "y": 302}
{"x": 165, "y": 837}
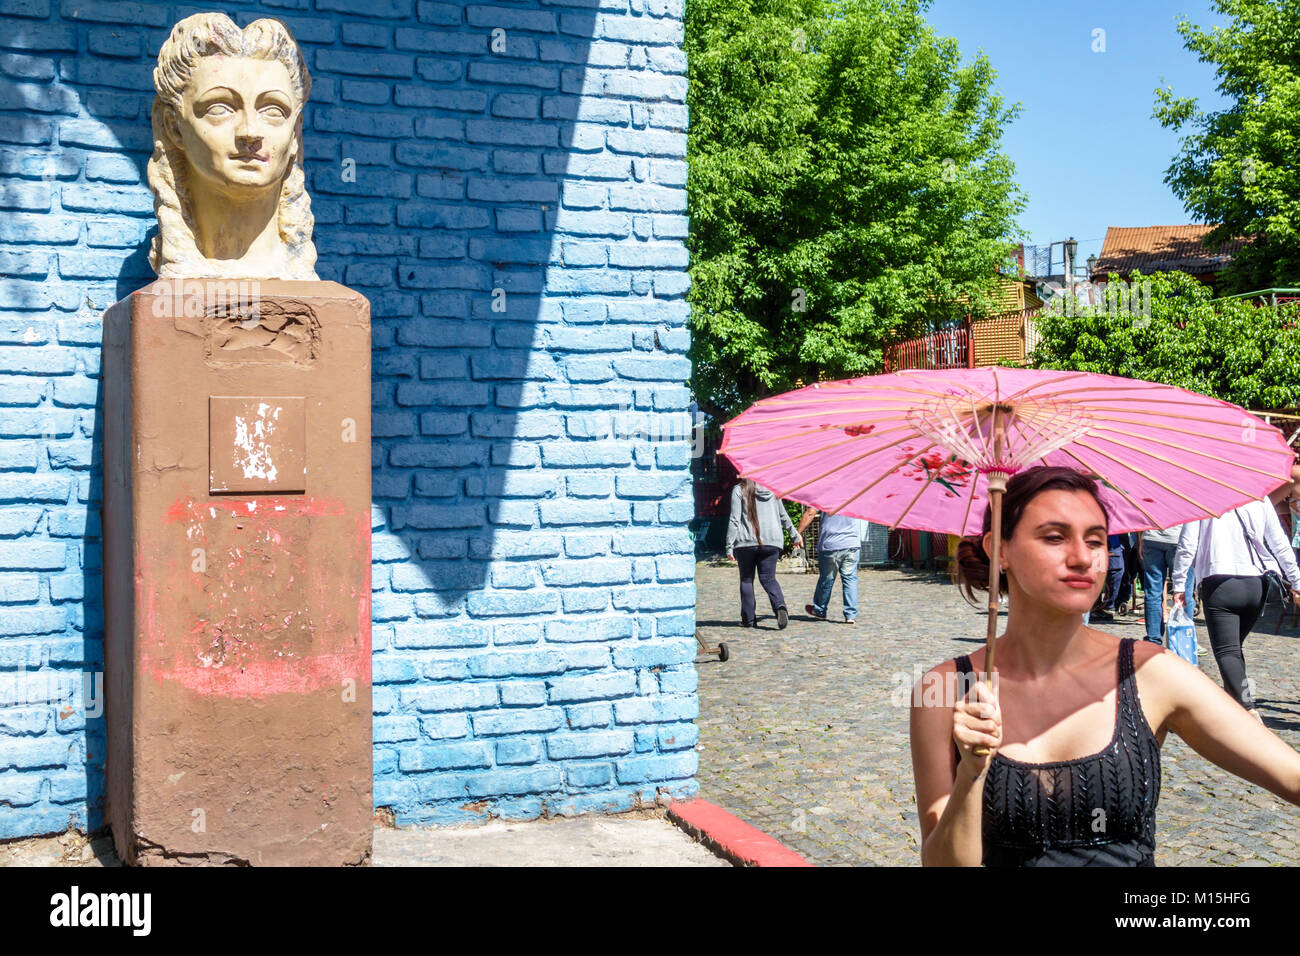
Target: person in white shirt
{"x": 1230, "y": 555}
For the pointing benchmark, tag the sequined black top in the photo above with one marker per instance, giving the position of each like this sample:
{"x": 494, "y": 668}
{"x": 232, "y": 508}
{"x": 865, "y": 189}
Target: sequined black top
{"x": 1090, "y": 811}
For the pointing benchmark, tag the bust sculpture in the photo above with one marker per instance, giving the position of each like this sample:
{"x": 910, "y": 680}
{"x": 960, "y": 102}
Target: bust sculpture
{"x": 227, "y": 167}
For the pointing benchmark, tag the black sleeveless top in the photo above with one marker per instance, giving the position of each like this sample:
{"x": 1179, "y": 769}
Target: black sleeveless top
{"x": 1091, "y": 811}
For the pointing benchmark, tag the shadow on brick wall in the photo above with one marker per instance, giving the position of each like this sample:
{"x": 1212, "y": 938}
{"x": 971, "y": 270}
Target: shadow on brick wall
{"x": 69, "y": 156}
{"x": 477, "y": 196}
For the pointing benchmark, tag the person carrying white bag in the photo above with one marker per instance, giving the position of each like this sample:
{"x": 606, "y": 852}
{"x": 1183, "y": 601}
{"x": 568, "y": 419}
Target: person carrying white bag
{"x": 1181, "y": 633}
{"x": 1237, "y": 557}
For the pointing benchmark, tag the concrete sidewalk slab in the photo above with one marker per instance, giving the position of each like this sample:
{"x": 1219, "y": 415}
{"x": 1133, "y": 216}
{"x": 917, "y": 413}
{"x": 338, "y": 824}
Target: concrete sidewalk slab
{"x": 644, "y": 838}
{"x": 592, "y": 840}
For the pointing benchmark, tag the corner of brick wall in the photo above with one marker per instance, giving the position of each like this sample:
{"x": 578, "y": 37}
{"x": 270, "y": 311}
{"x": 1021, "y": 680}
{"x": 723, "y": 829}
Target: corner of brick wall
{"x": 517, "y": 219}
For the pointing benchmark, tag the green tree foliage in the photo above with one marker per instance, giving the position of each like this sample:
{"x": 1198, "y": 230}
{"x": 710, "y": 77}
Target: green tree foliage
{"x": 1229, "y": 349}
{"x": 1238, "y": 166}
{"x": 846, "y": 181}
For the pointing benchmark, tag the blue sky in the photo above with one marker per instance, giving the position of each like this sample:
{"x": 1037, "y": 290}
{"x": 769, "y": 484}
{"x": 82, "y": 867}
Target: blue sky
{"x": 1086, "y": 149}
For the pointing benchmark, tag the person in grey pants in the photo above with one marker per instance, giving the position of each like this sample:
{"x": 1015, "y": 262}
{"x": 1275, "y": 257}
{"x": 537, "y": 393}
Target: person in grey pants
{"x": 755, "y": 541}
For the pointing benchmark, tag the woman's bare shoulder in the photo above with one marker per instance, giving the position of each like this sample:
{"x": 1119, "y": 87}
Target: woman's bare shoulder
{"x": 936, "y": 675}
{"x": 1144, "y": 651}
{"x": 1166, "y": 683}
{"x": 943, "y": 667}
{"x": 949, "y": 667}
{"x": 940, "y": 687}
{"x": 1155, "y": 663}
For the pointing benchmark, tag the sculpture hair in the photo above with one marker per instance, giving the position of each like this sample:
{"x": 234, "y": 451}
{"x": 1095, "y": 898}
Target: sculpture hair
{"x": 174, "y": 252}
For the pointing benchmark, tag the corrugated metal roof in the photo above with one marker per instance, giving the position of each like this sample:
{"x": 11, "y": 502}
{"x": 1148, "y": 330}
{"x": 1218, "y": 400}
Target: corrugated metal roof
{"x": 1162, "y": 249}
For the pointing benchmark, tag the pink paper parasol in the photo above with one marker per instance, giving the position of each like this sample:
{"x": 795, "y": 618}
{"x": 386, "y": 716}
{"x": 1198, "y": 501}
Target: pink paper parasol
{"x": 928, "y": 449}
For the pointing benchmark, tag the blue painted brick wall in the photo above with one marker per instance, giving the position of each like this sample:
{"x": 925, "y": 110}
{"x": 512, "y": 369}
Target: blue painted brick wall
{"x": 515, "y": 212}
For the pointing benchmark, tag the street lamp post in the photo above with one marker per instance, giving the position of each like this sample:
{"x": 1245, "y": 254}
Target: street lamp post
{"x": 1068, "y": 248}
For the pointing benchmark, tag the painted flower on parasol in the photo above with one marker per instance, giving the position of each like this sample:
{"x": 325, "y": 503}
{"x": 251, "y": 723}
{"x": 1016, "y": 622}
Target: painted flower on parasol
{"x": 929, "y": 449}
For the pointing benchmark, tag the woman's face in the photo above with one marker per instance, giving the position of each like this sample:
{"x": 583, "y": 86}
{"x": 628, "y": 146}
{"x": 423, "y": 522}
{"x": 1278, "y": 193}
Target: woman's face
{"x": 1058, "y": 554}
{"x": 237, "y": 124}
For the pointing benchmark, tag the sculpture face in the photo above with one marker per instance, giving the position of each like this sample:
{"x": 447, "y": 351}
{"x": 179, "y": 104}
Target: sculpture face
{"x": 227, "y": 167}
{"x": 237, "y": 124}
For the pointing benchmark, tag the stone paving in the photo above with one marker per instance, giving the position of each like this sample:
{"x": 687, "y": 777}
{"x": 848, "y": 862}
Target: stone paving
{"x": 803, "y": 732}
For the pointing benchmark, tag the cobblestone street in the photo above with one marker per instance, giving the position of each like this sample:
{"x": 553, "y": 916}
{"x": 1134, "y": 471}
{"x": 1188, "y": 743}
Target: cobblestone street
{"x": 803, "y": 732}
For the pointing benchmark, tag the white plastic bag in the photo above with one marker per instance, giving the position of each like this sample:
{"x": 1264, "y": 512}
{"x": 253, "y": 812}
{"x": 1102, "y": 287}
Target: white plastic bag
{"x": 1181, "y": 631}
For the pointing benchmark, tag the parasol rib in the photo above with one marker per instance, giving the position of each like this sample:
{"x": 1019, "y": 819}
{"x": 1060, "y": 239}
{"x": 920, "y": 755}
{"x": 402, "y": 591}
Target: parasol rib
{"x": 789, "y": 399}
{"x": 823, "y": 448}
{"x": 1047, "y": 381}
{"x": 854, "y": 461}
{"x": 1042, "y": 459}
{"x": 849, "y": 413}
{"x": 1186, "y": 431}
{"x": 812, "y": 431}
{"x": 926, "y": 484}
{"x": 1208, "y": 478}
{"x": 1128, "y": 399}
{"x": 764, "y": 408}
{"x": 891, "y": 471}
{"x": 970, "y": 503}
{"x": 979, "y": 429}
{"x": 1181, "y": 448}
{"x": 1041, "y": 431}
{"x": 1119, "y": 491}
{"x": 1140, "y": 472}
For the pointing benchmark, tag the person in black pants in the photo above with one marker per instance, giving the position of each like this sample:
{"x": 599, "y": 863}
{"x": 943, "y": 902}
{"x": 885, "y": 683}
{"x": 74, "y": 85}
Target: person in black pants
{"x": 755, "y": 537}
{"x": 764, "y": 561}
{"x": 1119, "y": 576}
{"x": 1232, "y": 603}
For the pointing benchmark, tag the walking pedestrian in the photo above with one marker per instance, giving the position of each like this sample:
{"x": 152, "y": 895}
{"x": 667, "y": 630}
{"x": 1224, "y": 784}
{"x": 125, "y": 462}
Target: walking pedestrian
{"x": 839, "y": 546}
{"x": 1156, "y": 551}
{"x": 1061, "y": 688}
{"x": 1287, "y": 499}
{"x": 1232, "y": 555}
{"x": 1286, "y": 496}
{"x": 1119, "y": 582}
{"x": 755, "y": 541}
{"x": 1294, "y": 504}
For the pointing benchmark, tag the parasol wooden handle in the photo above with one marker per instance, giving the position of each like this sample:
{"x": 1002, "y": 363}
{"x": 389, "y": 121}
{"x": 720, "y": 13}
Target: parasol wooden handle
{"x": 997, "y": 485}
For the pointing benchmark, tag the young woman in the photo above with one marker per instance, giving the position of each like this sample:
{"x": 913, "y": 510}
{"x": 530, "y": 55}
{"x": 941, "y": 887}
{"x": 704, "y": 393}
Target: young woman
{"x": 755, "y": 540}
{"x": 1075, "y": 719}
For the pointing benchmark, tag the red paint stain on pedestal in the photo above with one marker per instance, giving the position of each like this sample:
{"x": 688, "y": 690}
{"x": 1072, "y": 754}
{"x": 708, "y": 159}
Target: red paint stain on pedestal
{"x": 257, "y": 634}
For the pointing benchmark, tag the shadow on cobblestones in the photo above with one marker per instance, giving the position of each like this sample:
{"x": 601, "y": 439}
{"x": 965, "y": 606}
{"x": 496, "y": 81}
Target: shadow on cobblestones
{"x": 803, "y": 732}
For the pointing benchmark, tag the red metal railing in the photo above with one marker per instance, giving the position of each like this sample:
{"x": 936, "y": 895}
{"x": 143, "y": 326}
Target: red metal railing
{"x": 1010, "y": 336}
{"x": 949, "y": 348}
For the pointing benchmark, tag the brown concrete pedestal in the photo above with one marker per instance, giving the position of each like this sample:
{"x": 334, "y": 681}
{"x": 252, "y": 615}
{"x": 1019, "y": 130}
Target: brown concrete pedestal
{"x": 237, "y": 573}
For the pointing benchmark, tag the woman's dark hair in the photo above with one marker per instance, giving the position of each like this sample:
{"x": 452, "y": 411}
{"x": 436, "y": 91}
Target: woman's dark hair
{"x": 751, "y": 507}
{"x": 971, "y": 569}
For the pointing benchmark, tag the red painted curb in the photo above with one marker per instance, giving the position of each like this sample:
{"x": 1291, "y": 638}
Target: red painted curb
{"x": 731, "y": 837}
